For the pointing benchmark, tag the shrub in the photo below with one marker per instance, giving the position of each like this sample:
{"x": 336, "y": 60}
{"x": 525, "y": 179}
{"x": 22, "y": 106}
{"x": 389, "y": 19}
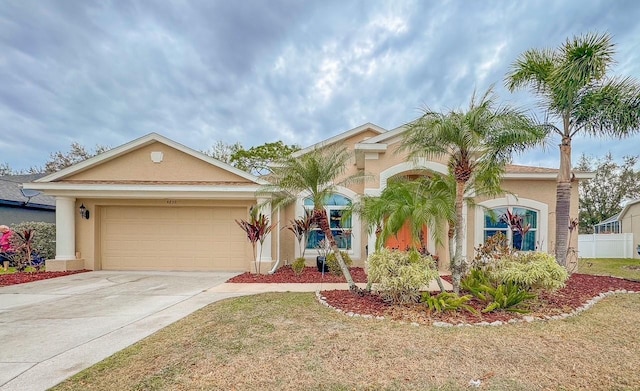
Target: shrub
{"x": 44, "y": 240}
{"x": 531, "y": 270}
{"x": 496, "y": 295}
{"x": 494, "y": 248}
{"x": 506, "y": 297}
{"x": 334, "y": 266}
{"x": 447, "y": 301}
{"x": 399, "y": 275}
{"x": 298, "y": 266}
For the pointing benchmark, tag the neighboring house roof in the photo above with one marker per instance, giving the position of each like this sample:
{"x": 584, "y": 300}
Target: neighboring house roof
{"x": 10, "y": 194}
{"x": 626, "y": 208}
{"x": 611, "y": 219}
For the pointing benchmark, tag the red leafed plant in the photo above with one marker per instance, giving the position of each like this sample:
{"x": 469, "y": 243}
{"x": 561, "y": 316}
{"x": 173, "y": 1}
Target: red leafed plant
{"x": 257, "y": 229}
{"x": 516, "y": 223}
{"x": 300, "y": 228}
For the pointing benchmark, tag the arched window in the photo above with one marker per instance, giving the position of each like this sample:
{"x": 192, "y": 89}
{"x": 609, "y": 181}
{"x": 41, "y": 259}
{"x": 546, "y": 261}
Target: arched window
{"x": 341, "y": 226}
{"x": 494, "y": 224}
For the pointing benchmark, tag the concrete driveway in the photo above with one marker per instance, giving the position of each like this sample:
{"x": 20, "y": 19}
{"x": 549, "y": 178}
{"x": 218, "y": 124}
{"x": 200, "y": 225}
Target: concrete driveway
{"x": 53, "y": 329}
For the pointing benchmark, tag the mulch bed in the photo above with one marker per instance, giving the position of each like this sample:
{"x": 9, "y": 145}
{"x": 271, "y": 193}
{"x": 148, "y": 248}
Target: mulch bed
{"x": 22, "y": 277}
{"x": 310, "y": 275}
{"x": 580, "y": 288}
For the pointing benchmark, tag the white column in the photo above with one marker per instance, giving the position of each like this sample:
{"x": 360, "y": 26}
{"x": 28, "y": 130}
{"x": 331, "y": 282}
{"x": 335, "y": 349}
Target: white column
{"x": 265, "y": 208}
{"x": 65, "y": 228}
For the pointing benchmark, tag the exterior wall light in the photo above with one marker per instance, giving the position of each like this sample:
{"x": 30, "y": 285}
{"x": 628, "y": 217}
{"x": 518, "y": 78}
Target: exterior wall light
{"x": 84, "y": 213}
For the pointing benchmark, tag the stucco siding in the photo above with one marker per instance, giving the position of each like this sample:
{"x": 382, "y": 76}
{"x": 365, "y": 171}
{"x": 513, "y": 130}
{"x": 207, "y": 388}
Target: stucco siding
{"x": 176, "y": 166}
{"x": 631, "y": 224}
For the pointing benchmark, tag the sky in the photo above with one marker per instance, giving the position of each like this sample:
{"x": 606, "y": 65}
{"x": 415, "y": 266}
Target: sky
{"x": 257, "y": 71}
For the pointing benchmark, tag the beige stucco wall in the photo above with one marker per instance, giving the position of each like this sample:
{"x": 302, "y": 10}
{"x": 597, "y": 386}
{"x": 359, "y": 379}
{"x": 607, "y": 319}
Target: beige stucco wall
{"x": 175, "y": 166}
{"x": 631, "y": 224}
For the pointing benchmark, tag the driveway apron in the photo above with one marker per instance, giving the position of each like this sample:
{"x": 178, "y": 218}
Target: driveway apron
{"x": 53, "y": 329}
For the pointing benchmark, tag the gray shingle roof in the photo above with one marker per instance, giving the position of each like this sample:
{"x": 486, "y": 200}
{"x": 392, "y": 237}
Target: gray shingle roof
{"x": 10, "y": 186}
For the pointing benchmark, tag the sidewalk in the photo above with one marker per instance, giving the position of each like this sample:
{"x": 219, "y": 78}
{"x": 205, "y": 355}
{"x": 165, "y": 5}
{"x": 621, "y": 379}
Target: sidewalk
{"x": 254, "y": 288}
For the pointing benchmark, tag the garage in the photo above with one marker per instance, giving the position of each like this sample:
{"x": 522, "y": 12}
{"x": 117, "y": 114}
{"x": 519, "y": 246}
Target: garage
{"x": 173, "y": 238}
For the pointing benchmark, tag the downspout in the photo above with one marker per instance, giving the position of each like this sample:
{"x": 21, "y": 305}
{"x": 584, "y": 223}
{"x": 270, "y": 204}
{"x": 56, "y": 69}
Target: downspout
{"x": 275, "y": 267}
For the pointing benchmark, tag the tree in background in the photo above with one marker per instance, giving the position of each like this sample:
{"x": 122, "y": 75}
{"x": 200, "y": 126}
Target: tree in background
{"x": 257, "y": 160}
{"x": 58, "y": 160}
{"x": 77, "y": 153}
{"x": 574, "y": 89}
{"x": 5, "y": 169}
{"x": 604, "y": 196}
{"x": 223, "y": 151}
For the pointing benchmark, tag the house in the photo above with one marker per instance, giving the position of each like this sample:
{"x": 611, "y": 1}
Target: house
{"x": 630, "y": 223}
{"x": 625, "y": 222}
{"x": 18, "y": 205}
{"x": 155, "y": 204}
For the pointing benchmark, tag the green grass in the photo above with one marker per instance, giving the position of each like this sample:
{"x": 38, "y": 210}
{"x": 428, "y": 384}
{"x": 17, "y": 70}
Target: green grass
{"x": 288, "y": 341}
{"x": 618, "y": 267}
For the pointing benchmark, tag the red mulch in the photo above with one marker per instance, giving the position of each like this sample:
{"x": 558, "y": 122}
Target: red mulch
{"x": 21, "y": 277}
{"x": 580, "y": 288}
{"x": 310, "y": 275}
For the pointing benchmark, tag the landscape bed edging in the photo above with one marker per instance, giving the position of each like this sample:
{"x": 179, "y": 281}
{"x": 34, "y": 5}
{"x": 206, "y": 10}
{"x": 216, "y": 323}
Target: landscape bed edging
{"x": 525, "y": 319}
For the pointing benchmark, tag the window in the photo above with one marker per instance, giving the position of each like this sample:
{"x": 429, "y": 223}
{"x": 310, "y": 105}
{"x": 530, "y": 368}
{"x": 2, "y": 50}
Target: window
{"x": 340, "y": 225}
{"x": 611, "y": 227}
{"x": 493, "y": 225}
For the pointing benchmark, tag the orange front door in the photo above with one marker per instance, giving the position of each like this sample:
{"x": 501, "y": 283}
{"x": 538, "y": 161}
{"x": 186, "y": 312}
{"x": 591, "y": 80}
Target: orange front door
{"x": 403, "y": 239}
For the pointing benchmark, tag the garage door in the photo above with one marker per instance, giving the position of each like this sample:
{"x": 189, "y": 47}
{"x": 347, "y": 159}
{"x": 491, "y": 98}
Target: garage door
{"x": 173, "y": 238}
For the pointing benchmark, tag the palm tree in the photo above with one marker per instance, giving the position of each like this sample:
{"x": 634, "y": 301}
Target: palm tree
{"x": 574, "y": 89}
{"x": 317, "y": 175}
{"x": 477, "y": 144}
{"x": 421, "y": 202}
{"x": 417, "y": 202}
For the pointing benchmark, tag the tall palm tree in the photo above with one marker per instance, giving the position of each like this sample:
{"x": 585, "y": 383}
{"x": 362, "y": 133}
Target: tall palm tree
{"x": 477, "y": 144}
{"x": 574, "y": 89}
{"x": 317, "y": 175}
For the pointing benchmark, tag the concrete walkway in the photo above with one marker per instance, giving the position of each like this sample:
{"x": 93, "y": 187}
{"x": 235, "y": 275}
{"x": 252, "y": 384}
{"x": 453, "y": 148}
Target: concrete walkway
{"x": 254, "y": 288}
{"x": 53, "y": 329}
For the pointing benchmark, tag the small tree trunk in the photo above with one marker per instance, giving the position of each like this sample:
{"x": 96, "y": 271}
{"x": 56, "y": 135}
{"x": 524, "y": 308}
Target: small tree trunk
{"x": 323, "y": 223}
{"x": 563, "y": 202}
{"x": 457, "y": 265}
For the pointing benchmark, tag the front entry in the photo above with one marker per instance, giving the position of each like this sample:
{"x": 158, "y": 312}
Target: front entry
{"x": 403, "y": 240}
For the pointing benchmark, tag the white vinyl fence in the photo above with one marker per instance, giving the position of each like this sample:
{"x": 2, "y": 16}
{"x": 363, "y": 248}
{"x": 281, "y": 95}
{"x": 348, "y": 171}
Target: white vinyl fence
{"x": 605, "y": 246}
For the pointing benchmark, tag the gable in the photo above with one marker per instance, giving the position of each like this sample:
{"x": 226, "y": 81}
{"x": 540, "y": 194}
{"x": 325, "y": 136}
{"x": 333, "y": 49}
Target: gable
{"x": 137, "y": 166}
{"x": 349, "y": 138}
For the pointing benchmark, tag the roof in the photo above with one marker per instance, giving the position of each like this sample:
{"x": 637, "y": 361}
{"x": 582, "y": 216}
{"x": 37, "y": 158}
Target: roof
{"x": 340, "y": 137}
{"x": 626, "y": 208}
{"x": 57, "y": 183}
{"x": 611, "y": 219}
{"x": 139, "y": 143}
{"x": 10, "y": 194}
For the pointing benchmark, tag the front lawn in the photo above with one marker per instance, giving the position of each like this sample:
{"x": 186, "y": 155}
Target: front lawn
{"x": 288, "y": 341}
{"x": 618, "y": 267}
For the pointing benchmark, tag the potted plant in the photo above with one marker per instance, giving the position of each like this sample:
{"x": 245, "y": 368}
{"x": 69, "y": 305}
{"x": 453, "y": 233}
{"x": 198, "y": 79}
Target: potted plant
{"x": 321, "y": 260}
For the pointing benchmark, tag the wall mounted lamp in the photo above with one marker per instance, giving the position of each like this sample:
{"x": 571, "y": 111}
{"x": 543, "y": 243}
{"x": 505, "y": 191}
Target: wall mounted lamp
{"x": 84, "y": 213}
